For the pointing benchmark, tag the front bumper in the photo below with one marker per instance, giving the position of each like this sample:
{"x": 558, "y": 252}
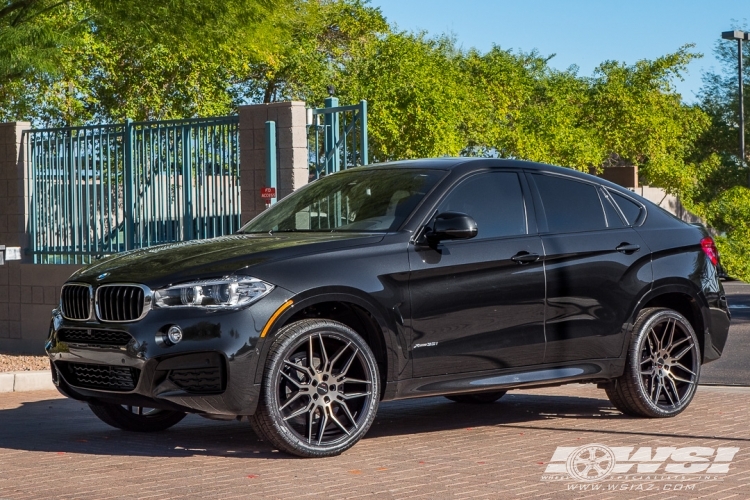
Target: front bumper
{"x": 211, "y": 370}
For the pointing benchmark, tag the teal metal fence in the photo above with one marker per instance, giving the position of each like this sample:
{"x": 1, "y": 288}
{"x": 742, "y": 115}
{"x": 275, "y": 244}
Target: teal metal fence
{"x": 336, "y": 137}
{"x": 103, "y": 189}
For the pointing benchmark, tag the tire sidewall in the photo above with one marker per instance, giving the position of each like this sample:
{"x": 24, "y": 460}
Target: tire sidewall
{"x": 272, "y": 376}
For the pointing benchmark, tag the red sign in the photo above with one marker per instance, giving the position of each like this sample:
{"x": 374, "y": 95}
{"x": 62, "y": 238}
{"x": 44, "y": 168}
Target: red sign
{"x": 268, "y": 192}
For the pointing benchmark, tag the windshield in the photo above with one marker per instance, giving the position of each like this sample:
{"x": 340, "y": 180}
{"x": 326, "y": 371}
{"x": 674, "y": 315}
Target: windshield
{"x": 360, "y": 200}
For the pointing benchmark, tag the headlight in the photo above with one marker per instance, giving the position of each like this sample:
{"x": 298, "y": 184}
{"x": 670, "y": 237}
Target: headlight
{"x": 230, "y": 292}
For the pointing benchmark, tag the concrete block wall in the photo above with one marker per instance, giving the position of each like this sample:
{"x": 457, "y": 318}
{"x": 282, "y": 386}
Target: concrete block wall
{"x": 291, "y": 137}
{"x": 28, "y": 293}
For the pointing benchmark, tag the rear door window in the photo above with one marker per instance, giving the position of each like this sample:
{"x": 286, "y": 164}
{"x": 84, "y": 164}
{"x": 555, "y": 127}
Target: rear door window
{"x": 570, "y": 206}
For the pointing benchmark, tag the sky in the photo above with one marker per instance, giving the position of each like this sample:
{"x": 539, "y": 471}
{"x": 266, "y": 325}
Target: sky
{"x": 581, "y": 32}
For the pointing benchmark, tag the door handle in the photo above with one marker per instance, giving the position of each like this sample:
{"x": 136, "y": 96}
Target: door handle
{"x": 525, "y": 257}
{"x": 628, "y": 248}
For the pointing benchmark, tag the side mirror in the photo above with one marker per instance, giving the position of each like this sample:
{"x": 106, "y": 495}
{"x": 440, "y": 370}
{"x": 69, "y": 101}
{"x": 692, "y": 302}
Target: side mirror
{"x": 452, "y": 226}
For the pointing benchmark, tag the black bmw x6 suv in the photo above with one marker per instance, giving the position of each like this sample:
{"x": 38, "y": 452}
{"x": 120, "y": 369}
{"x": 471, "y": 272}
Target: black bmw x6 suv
{"x": 456, "y": 277}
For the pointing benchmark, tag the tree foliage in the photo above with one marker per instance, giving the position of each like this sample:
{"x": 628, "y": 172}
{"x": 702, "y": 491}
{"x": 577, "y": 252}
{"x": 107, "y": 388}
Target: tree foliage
{"x": 66, "y": 62}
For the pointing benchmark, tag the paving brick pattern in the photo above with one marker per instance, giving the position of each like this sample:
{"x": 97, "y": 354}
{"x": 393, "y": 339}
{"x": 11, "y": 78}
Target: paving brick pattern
{"x": 430, "y": 448}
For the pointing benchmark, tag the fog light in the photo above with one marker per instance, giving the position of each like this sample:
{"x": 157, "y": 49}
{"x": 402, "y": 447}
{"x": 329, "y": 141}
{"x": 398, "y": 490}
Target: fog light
{"x": 174, "y": 334}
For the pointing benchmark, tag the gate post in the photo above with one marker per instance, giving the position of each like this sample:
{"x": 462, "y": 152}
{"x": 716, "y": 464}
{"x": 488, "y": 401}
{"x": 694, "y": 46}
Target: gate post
{"x": 128, "y": 179}
{"x": 293, "y": 171}
{"x": 14, "y": 195}
{"x": 331, "y": 123}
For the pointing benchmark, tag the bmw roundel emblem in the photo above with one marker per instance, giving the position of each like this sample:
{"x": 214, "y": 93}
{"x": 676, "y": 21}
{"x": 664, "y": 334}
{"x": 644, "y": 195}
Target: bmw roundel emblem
{"x": 102, "y": 276}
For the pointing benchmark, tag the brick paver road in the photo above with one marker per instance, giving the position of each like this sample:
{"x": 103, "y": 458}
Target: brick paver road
{"x": 431, "y": 448}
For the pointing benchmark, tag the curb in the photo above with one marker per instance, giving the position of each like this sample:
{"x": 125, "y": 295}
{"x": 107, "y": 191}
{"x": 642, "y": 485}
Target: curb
{"x": 26, "y": 381}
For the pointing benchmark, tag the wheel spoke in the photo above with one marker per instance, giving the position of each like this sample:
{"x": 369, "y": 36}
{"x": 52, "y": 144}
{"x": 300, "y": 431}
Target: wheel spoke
{"x": 683, "y": 368}
{"x": 298, "y": 412}
{"x": 310, "y": 354}
{"x": 659, "y": 386}
{"x": 349, "y": 362}
{"x": 647, "y": 372}
{"x": 680, "y": 379}
{"x": 298, "y": 368}
{"x": 653, "y": 342}
{"x": 323, "y": 424}
{"x": 669, "y": 396}
{"x": 336, "y": 421}
{"x": 310, "y": 425}
{"x": 348, "y": 413}
{"x": 323, "y": 354}
{"x": 295, "y": 397}
{"x": 671, "y": 334}
{"x": 683, "y": 352}
{"x": 662, "y": 343}
{"x": 339, "y": 353}
{"x": 356, "y": 395}
{"x": 673, "y": 386}
{"x": 353, "y": 381}
{"x": 290, "y": 379}
{"x": 681, "y": 341}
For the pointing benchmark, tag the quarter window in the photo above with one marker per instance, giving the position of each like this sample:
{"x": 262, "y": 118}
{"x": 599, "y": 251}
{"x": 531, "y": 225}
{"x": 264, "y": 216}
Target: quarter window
{"x": 494, "y": 200}
{"x": 570, "y": 206}
{"x": 630, "y": 209}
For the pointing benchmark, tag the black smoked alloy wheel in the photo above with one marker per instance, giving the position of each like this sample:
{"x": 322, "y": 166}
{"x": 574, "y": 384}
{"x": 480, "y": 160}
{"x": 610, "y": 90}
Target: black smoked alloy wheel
{"x": 662, "y": 369}
{"x": 320, "y": 389}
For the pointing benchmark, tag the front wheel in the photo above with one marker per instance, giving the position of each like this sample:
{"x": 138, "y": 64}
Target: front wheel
{"x": 136, "y": 418}
{"x": 320, "y": 389}
{"x": 662, "y": 369}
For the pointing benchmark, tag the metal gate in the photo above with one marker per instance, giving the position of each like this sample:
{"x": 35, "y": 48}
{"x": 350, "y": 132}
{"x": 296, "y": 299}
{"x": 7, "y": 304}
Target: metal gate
{"x": 103, "y": 189}
{"x": 336, "y": 137}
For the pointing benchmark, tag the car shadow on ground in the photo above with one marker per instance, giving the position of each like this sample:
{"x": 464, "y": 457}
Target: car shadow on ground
{"x": 67, "y": 426}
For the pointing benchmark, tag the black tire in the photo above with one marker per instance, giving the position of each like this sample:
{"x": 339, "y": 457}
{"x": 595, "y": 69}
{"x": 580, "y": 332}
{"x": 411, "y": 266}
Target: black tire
{"x": 480, "y": 398}
{"x": 662, "y": 367}
{"x": 136, "y": 419}
{"x": 322, "y": 407}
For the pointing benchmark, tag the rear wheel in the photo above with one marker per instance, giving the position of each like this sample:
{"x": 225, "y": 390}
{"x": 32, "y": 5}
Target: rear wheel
{"x": 662, "y": 368}
{"x": 320, "y": 389}
{"x": 136, "y": 418}
{"x": 481, "y": 398}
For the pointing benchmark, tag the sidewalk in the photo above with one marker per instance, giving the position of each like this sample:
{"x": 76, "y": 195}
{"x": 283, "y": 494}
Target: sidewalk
{"x": 429, "y": 448}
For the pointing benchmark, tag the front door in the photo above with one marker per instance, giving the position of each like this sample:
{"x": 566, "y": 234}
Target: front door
{"x": 473, "y": 307}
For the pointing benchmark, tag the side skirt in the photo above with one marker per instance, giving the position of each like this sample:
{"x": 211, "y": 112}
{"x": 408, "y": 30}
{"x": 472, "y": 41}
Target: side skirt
{"x": 539, "y": 376}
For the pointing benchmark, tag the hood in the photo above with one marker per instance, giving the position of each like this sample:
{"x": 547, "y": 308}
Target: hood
{"x": 178, "y": 262}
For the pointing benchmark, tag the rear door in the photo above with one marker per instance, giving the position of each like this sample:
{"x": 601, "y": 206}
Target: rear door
{"x": 474, "y": 308}
{"x": 595, "y": 263}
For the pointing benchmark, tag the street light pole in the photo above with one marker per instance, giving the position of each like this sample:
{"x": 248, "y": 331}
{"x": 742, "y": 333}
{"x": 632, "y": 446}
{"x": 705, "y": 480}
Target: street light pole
{"x": 739, "y": 36}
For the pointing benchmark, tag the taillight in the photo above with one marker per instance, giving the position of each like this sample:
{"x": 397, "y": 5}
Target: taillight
{"x": 709, "y": 248}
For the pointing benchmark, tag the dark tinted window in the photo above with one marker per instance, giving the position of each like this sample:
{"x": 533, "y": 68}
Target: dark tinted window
{"x": 613, "y": 217}
{"x": 494, "y": 200}
{"x": 630, "y": 209}
{"x": 570, "y": 205}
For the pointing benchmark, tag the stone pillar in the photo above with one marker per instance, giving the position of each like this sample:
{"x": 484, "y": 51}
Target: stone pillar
{"x": 13, "y": 176}
{"x": 291, "y": 133}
